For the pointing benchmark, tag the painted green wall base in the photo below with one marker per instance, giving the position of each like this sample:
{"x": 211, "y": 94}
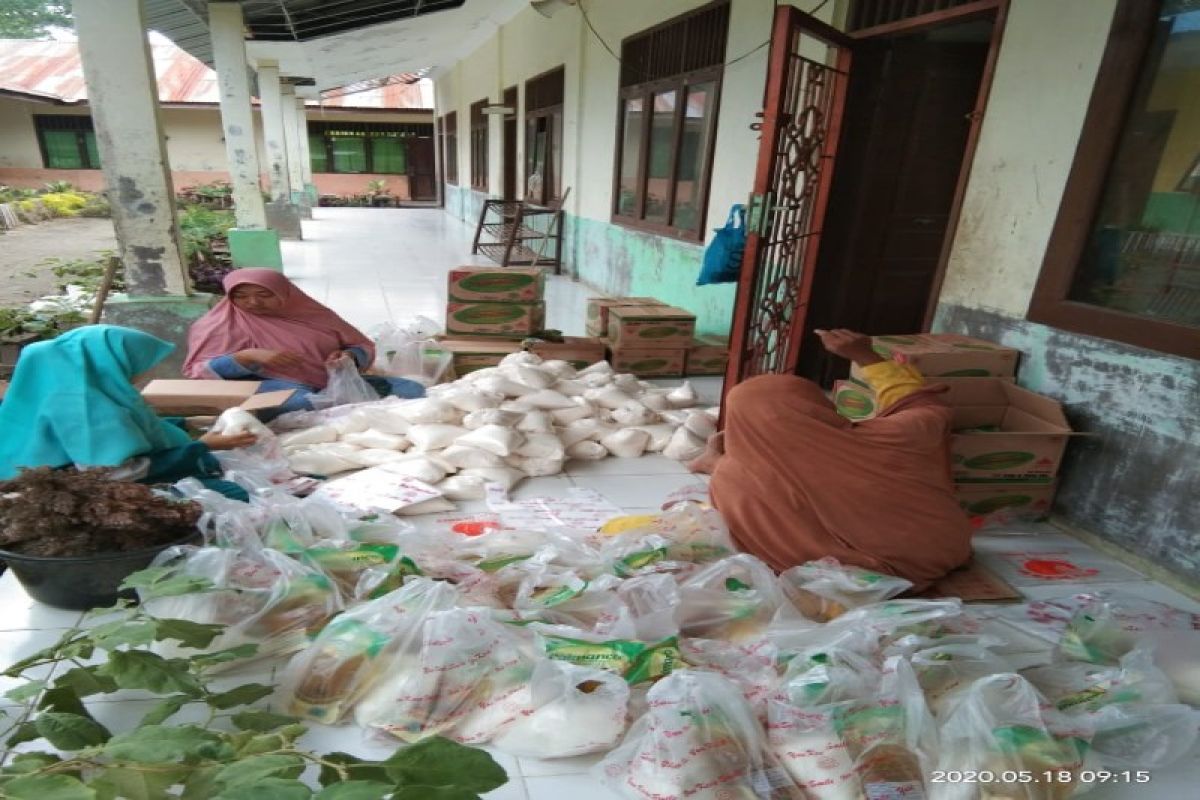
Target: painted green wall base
{"x": 166, "y": 316}
{"x": 1135, "y": 480}
{"x": 255, "y": 248}
{"x": 310, "y": 189}
{"x": 616, "y": 260}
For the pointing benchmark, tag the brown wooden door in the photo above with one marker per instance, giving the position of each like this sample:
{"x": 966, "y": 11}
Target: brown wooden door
{"x": 510, "y": 144}
{"x": 421, "y": 169}
{"x": 908, "y": 117}
{"x": 808, "y": 68}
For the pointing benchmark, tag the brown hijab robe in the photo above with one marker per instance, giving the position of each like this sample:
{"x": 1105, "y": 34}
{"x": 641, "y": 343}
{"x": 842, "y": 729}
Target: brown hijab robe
{"x": 799, "y": 482}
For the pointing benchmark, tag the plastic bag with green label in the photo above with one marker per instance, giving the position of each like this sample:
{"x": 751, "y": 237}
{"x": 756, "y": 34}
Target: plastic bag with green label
{"x": 825, "y": 589}
{"x": 1002, "y": 727}
{"x": 699, "y": 739}
{"x": 353, "y": 651}
{"x": 637, "y": 662}
{"x": 732, "y": 599}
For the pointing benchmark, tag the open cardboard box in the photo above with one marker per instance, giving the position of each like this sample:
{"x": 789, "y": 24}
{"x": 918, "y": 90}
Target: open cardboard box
{"x": 188, "y": 398}
{"x": 1003, "y": 432}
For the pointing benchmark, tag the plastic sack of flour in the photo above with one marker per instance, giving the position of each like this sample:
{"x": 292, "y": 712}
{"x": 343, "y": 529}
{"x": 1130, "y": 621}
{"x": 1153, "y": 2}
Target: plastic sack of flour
{"x": 463, "y": 457}
{"x": 586, "y": 451}
{"x": 345, "y": 386}
{"x": 684, "y": 445}
{"x": 627, "y": 443}
{"x": 434, "y": 436}
{"x": 541, "y": 445}
{"x": 574, "y": 711}
{"x": 376, "y": 439}
{"x": 350, "y": 654}
{"x": 699, "y": 739}
{"x": 536, "y": 422}
{"x": 491, "y": 416}
{"x": 459, "y": 679}
{"x": 429, "y": 411}
{"x": 494, "y": 439}
{"x": 323, "y": 459}
{"x": 318, "y": 434}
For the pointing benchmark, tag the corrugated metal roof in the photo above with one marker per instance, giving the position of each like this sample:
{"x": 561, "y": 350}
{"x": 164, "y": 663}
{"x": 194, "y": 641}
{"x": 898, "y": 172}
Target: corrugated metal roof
{"x": 52, "y": 70}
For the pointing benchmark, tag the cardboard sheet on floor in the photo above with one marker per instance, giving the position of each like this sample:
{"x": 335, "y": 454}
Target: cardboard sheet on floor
{"x": 579, "y": 509}
{"x": 974, "y": 583}
{"x": 1035, "y": 567}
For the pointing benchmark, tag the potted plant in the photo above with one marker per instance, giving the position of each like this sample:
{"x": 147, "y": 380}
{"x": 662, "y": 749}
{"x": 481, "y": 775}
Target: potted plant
{"x": 202, "y": 739}
{"x": 72, "y": 536}
{"x": 379, "y": 195}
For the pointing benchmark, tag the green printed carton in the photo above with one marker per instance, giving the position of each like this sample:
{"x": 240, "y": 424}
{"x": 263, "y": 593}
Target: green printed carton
{"x": 651, "y": 326}
{"x": 1004, "y": 433}
{"x": 947, "y": 355}
{"x": 1025, "y": 501}
{"x": 708, "y": 355}
{"x": 497, "y": 284}
{"x": 598, "y": 308}
{"x": 506, "y": 320}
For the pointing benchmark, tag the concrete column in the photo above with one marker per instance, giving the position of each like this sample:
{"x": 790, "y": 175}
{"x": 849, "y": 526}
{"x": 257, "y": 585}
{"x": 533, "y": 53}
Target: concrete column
{"x": 294, "y": 126}
{"x": 310, "y": 186}
{"x": 123, "y": 96}
{"x": 282, "y": 214}
{"x": 252, "y": 243}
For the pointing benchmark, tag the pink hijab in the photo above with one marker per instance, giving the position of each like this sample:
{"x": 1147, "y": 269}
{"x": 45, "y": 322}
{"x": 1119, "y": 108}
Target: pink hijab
{"x": 302, "y": 326}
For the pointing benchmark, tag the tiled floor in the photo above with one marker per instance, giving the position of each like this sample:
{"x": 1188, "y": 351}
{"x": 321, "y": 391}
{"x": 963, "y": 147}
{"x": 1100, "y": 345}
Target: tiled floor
{"x": 376, "y": 266}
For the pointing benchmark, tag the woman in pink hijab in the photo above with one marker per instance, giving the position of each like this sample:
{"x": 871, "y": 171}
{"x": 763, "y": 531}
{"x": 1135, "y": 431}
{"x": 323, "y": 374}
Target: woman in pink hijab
{"x": 266, "y": 329}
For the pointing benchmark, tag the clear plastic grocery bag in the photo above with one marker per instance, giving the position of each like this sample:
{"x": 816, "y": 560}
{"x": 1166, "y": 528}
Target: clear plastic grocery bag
{"x": 825, "y": 589}
{"x": 574, "y": 711}
{"x": 699, "y": 739}
{"x": 734, "y": 599}
{"x": 344, "y": 387}
{"x": 326, "y": 679}
{"x": 408, "y": 350}
{"x": 466, "y": 677}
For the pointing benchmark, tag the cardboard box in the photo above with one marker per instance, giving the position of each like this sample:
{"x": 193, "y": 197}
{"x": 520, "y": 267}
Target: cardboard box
{"x": 651, "y": 326}
{"x": 186, "y": 397}
{"x": 1023, "y": 501}
{"x": 578, "y": 351}
{"x": 948, "y": 355}
{"x": 1004, "y": 432}
{"x": 509, "y": 320}
{"x": 649, "y": 362}
{"x": 497, "y": 284}
{"x": 472, "y": 354}
{"x": 707, "y": 355}
{"x": 598, "y": 308}
{"x": 856, "y": 400}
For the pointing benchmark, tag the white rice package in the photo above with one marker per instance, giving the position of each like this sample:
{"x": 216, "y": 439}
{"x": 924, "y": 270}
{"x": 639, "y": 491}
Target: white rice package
{"x": 609, "y": 397}
{"x": 503, "y": 385}
{"x": 683, "y": 396}
{"x": 494, "y": 439}
{"x": 519, "y": 359}
{"x": 634, "y": 413}
{"x": 508, "y": 477}
{"x": 581, "y": 410}
{"x": 384, "y": 419}
{"x": 234, "y": 421}
{"x": 318, "y": 434}
{"x": 684, "y": 445}
{"x": 518, "y": 405}
{"x": 628, "y": 383}
{"x": 534, "y": 377}
{"x": 660, "y": 436}
{"x": 587, "y": 451}
{"x": 628, "y": 443}
{"x": 423, "y": 469}
{"x": 374, "y": 456}
{"x": 559, "y": 368}
{"x": 317, "y": 459}
{"x": 376, "y": 439}
{"x": 467, "y": 399}
{"x": 541, "y": 445}
{"x": 428, "y": 410}
{"x": 581, "y": 429}
{"x": 348, "y": 423}
{"x": 437, "y": 505}
{"x": 575, "y": 710}
{"x": 435, "y": 436}
{"x": 548, "y": 399}
{"x": 700, "y": 424}
{"x": 597, "y": 380}
{"x": 463, "y": 457}
{"x": 537, "y": 467}
{"x": 463, "y": 487}
{"x": 536, "y": 422}
{"x": 655, "y": 401}
{"x": 599, "y": 368}
{"x": 492, "y": 416}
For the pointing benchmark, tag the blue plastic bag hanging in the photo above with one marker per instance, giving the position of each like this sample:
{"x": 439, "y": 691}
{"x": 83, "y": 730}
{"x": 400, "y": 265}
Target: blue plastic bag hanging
{"x": 723, "y": 257}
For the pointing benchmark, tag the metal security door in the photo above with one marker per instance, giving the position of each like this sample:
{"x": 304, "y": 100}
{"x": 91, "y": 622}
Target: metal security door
{"x": 807, "y": 76}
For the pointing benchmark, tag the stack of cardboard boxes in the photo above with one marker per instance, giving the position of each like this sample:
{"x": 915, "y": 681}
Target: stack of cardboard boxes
{"x": 490, "y": 310}
{"x": 643, "y": 336}
{"x": 1008, "y": 442}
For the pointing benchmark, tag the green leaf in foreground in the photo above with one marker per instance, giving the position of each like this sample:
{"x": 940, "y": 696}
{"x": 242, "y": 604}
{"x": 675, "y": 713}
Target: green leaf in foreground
{"x": 226, "y": 655}
{"x": 241, "y": 696}
{"x": 441, "y": 762}
{"x": 254, "y": 770}
{"x": 86, "y": 681}
{"x": 433, "y": 793}
{"x": 138, "y": 784}
{"x": 155, "y": 582}
{"x": 135, "y": 633}
{"x": 138, "y": 669}
{"x": 355, "y": 790}
{"x": 356, "y": 769}
{"x": 47, "y": 787}
{"x": 261, "y": 721}
{"x": 70, "y": 731}
{"x": 165, "y": 709}
{"x": 197, "y": 635}
{"x": 165, "y": 744}
{"x": 25, "y": 692}
{"x": 268, "y": 789}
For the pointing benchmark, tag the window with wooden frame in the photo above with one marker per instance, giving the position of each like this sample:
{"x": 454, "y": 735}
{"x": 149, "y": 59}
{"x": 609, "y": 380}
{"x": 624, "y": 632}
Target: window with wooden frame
{"x": 66, "y": 141}
{"x": 479, "y": 146}
{"x": 543, "y": 137}
{"x": 1123, "y": 261}
{"x": 667, "y": 122}
{"x": 450, "y": 146}
{"x": 379, "y": 148}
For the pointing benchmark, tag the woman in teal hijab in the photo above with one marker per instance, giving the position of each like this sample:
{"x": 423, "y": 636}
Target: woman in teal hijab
{"x": 72, "y": 402}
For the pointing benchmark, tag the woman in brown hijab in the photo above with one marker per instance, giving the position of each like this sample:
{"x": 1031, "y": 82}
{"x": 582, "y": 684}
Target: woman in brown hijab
{"x": 796, "y": 481}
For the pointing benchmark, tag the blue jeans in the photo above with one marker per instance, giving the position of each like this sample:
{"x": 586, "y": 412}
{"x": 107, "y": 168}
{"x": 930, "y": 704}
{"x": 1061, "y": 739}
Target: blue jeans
{"x": 386, "y": 387}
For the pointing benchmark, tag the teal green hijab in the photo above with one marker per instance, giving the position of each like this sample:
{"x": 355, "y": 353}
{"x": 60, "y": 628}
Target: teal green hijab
{"x": 71, "y": 401}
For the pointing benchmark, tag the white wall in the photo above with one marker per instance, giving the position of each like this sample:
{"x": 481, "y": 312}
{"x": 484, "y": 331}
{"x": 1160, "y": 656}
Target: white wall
{"x": 18, "y": 137}
{"x": 1048, "y": 61}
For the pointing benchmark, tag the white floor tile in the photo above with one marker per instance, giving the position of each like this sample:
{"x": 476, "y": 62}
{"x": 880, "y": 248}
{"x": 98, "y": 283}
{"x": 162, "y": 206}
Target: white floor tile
{"x": 1076, "y": 564}
{"x": 636, "y": 491}
{"x": 646, "y": 465}
{"x": 22, "y": 613}
{"x": 1145, "y": 589}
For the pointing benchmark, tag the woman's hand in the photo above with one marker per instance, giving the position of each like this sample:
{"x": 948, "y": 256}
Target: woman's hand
{"x": 219, "y": 441}
{"x": 849, "y": 344}
{"x": 271, "y": 359}
{"x": 338, "y": 357}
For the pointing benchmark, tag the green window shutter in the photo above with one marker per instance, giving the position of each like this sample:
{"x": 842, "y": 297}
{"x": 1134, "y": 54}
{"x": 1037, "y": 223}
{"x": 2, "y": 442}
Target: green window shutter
{"x": 316, "y": 147}
{"x": 389, "y": 155}
{"x": 349, "y": 153}
{"x": 93, "y": 154}
{"x": 62, "y": 150}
